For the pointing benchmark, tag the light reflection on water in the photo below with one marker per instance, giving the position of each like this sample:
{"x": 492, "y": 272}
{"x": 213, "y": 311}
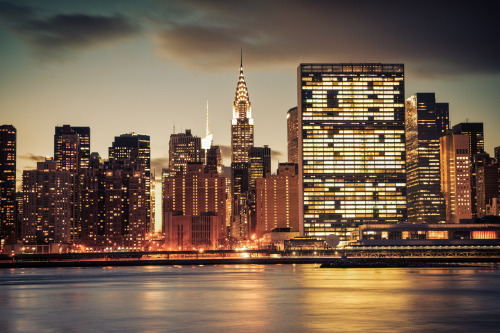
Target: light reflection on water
{"x": 246, "y": 298}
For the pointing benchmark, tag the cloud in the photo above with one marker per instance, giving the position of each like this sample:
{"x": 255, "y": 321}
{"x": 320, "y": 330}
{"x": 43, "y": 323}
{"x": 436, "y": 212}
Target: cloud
{"x": 32, "y": 157}
{"x": 55, "y": 36}
{"x": 440, "y": 38}
{"x": 276, "y": 155}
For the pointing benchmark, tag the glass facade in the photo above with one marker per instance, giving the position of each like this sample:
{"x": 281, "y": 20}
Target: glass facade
{"x": 352, "y": 147}
{"x": 426, "y": 122}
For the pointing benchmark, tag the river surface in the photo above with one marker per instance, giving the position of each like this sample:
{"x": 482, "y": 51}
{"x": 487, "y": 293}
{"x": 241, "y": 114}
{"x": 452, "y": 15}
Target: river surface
{"x": 249, "y": 298}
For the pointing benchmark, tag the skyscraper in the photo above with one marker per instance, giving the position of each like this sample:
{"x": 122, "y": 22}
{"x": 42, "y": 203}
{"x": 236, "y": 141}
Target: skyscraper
{"x": 476, "y": 136}
{"x": 72, "y": 147}
{"x": 292, "y": 122}
{"x": 351, "y": 147}
{"x": 8, "y": 140}
{"x": 184, "y": 148}
{"x": 259, "y": 166}
{"x": 476, "y": 145}
{"x": 455, "y": 176}
{"x": 242, "y": 123}
{"x": 135, "y": 149}
{"x": 426, "y": 122}
{"x": 72, "y": 154}
{"x": 241, "y": 142}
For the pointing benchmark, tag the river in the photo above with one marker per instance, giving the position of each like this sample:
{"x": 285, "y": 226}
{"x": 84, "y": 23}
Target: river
{"x": 249, "y": 298}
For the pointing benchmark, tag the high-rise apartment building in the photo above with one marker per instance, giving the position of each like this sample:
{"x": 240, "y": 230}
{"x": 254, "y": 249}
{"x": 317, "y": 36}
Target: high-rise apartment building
{"x": 277, "y": 200}
{"x": 8, "y": 138}
{"x": 135, "y": 149}
{"x": 292, "y": 121}
{"x": 184, "y": 148}
{"x": 47, "y": 204}
{"x": 115, "y": 206}
{"x": 72, "y": 153}
{"x": 72, "y": 147}
{"x": 351, "y": 147}
{"x": 241, "y": 142}
{"x": 426, "y": 122}
{"x": 455, "y": 176}
{"x": 197, "y": 192}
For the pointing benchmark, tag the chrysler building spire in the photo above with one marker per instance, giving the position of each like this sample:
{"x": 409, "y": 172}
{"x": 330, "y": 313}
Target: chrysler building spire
{"x": 242, "y": 108}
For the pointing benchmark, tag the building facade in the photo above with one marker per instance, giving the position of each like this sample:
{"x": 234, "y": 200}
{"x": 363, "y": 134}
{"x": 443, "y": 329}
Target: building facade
{"x": 476, "y": 146}
{"x": 114, "y": 206}
{"x": 47, "y": 204}
{"x": 277, "y": 200}
{"x": 72, "y": 153}
{"x": 426, "y": 122}
{"x": 135, "y": 149}
{"x": 455, "y": 176}
{"x": 242, "y": 139}
{"x": 487, "y": 182}
{"x": 183, "y": 148}
{"x": 351, "y": 147}
{"x": 198, "y": 192}
{"x": 8, "y": 142}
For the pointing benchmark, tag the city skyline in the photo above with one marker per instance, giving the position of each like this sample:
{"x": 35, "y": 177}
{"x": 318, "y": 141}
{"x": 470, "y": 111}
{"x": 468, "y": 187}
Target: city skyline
{"x": 122, "y": 67}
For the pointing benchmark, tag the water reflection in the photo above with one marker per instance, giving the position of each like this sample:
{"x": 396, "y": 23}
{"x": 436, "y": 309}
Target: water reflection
{"x": 280, "y": 298}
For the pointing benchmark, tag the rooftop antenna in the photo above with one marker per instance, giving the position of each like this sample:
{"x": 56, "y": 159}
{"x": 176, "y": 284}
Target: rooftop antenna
{"x": 174, "y": 126}
{"x": 241, "y": 56}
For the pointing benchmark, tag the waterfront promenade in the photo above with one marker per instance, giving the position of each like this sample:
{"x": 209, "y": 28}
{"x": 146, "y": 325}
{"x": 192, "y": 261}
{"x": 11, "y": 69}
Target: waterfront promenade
{"x": 362, "y": 256}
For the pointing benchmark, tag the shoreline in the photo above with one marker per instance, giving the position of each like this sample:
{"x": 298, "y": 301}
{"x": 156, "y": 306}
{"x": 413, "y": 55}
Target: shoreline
{"x": 325, "y": 262}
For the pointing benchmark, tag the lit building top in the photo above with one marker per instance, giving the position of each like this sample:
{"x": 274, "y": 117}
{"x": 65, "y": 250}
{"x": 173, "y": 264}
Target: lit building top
{"x": 242, "y": 108}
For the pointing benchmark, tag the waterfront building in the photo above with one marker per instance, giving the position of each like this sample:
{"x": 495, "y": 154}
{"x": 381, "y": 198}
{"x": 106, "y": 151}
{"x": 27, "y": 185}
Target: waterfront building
{"x": 455, "y": 176}
{"x": 198, "y": 192}
{"x": 72, "y": 153}
{"x": 242, "y": 140}
{"x": 184, "y": 148}
{"x": 8, "y": 142}
{"x": 351, "y": 147}
{"x": 135, "y": 149}
{"x": 47, "y": 204}
{"x": 479, "y": 232}
{"x": 277, "y": 200}
{"x": 426, "y": 122}
{"x": 292, "y": 120}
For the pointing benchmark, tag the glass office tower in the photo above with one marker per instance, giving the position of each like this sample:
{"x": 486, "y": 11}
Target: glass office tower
{"x": 351, "y": 146}
{"x": 426, "y": 122}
